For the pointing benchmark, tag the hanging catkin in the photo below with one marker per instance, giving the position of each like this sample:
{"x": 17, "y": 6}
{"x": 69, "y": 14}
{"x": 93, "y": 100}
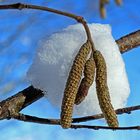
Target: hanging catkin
{"x": 102, "y": 9}
{"x": 89, "y": 72}
{"x": 103, "y": 91}
{"x": 118, "y": 2}
{"x": 72, "y": 85}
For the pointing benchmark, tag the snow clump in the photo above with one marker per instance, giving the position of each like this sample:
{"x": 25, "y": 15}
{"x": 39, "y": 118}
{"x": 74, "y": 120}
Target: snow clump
{"x": 54, "y": 59}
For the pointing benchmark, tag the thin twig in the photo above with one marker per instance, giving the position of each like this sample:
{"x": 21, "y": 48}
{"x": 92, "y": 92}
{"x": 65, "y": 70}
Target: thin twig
{"x": 27, "y": 118}
{"x": 100, "y": 116}
{"x": 75, "y": 120}
{"x": 105, "y": 127}
{"x": 33, "y": 119}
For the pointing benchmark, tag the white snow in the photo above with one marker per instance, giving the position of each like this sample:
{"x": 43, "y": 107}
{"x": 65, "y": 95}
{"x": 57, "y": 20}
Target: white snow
{"x": 54, "y": 58}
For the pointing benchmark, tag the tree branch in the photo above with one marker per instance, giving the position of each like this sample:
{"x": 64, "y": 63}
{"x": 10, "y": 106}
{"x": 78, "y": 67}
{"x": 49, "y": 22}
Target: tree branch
{"x": 129, "y": 42}
{"x": 10, "y": 108}
{"x": 27, "y": 118}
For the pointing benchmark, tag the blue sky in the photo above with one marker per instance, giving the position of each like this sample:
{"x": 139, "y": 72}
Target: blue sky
{"x": 21, "y": 32}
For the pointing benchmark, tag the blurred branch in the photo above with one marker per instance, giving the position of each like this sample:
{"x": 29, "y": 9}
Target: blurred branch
{"x": 129, "y": 42}
{"x": 34, "y": 119}
{"x": 19, "y": 30}
{"x": 100, "y": 116}
{"x": 105, "y": 127}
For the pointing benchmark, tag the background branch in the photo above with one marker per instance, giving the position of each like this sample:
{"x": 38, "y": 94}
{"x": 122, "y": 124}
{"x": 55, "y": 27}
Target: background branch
{"x": 79, "y": 19}
{"x": 12, "y": 105}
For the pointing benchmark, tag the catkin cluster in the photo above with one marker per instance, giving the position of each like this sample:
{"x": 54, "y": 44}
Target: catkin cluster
{"x": 75, "y": 94}
{"x": 102, "y": 4}
{"x": 87, "y": 81}
{"x": 72, "y": 84}
{"x": 103, "y": 91}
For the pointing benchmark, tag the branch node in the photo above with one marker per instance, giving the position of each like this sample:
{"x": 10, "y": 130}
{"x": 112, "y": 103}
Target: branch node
{"x": 80, "y": 19}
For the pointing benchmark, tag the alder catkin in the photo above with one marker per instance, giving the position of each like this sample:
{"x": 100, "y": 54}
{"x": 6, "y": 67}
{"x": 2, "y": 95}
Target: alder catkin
{"x": 118, "y": 2}
{"x": 103, "y": 91}
{"x": 87, "y": 81}
{"x": 72, "y": 85}
{"x": 102, "y": 8}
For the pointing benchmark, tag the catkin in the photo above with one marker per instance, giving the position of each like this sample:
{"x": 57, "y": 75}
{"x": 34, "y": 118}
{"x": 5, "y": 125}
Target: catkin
{"x": 118, "y": 2}
{"x": 87, "y": 81}
{"x": 103, "y": 91}
{"x": 72, "y": 85}
{"x": 102, "y": 8}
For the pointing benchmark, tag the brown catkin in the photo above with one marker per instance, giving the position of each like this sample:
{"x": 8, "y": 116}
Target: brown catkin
{"x": 105, "y": 1}
{"x": 102, "y": 9}
{"x": 118, "y": 2}
{"x": 72, "y": 85}
{"x": 87, "y": 81}
{"x": 103, "y": 91}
